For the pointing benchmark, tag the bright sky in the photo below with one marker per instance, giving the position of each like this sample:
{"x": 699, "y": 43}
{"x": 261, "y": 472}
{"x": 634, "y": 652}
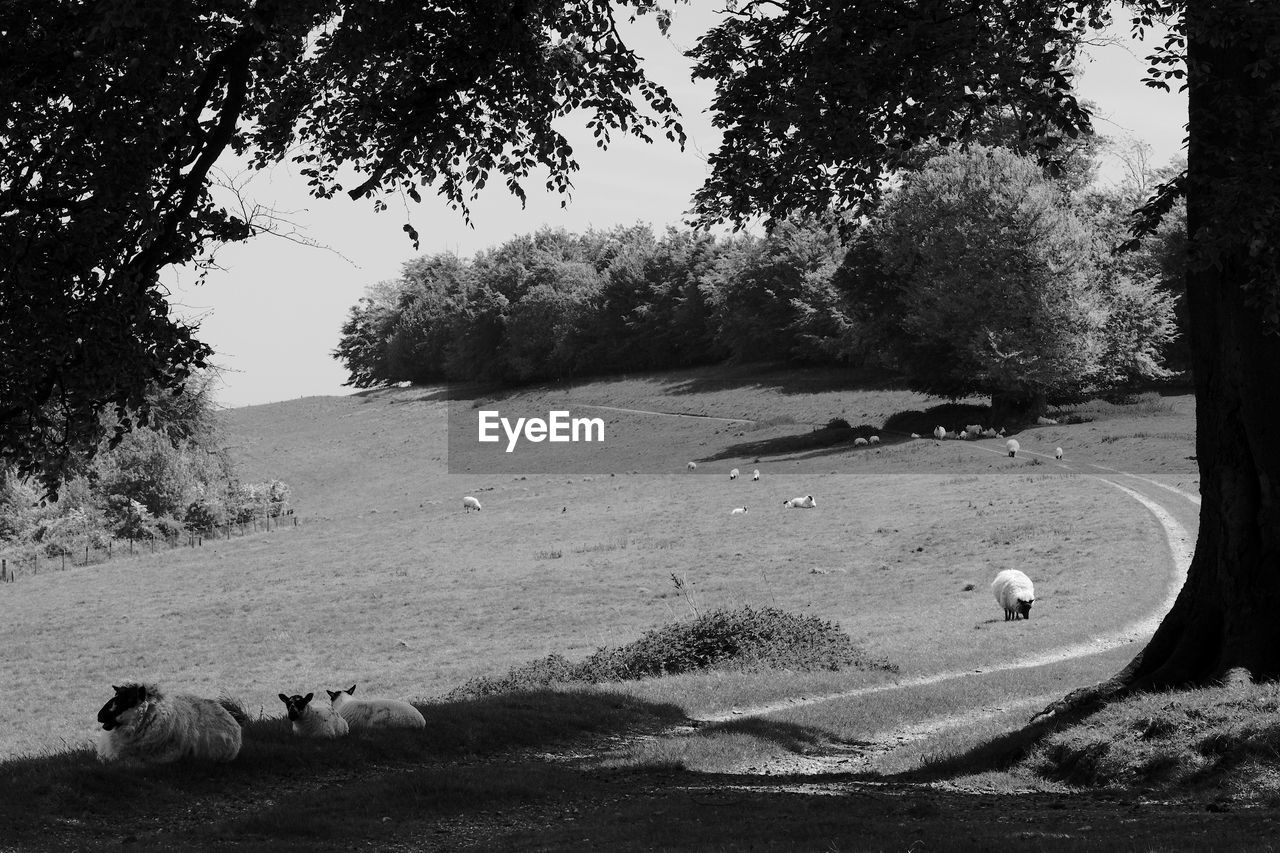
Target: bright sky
{"x": 274, "y": 311}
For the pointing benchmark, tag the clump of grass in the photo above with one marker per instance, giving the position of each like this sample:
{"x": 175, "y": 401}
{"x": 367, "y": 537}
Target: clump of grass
{"x": 741, "y": 639}
{"x": 547, "y": 555}
{"x": 1225, "y": 741}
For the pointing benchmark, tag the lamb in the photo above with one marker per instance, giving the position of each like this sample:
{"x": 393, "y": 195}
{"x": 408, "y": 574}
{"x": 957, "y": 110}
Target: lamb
{"x": 805, "y": 502}
{"x": 1015, "y": 593}
{"x": 469, "y": 503}
{"x": 755, "y": 476}
{"x": 939, "y": 433}
{"x": 738, "y": 510}
{"x": 1013, "y": 447}
{"x": 875, "y": 439}
{"x": 142, "y": 725}
{"x": 733, "y": 475}
{"x": 1057, "y": 453}
{"x": 313, "y": 720}
{"x": 363, "y": 714}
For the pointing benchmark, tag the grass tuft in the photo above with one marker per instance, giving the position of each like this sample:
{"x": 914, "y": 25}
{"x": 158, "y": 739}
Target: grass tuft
{"x": 743, "y": 639}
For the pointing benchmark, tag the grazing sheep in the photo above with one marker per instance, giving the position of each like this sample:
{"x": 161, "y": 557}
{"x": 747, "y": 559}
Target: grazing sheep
{"x": 141, "y": 724}
{"x": 1013, "y": 447}
{"x": 738, "y": 510}
{"x": 313, "y": 720}
{"x": 1015, "y": 593}
{"x": 859, "y": 442}
{"x": 1057, "y": 453}
{"x": 469, "y": 503}
{"x": 915, "y": 435}
{"x": 733, "y": 475}
{"x": 375, "y": 713}
{"x": 939, "y": 433}
{"x": 692, "y": 465}
{"x": 974, "y": 430}
{"x": 875, "y": 439}
{"x": 805, "y": 502}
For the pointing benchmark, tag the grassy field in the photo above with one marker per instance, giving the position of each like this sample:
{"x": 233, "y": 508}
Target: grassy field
{"x": 386, "y": 582}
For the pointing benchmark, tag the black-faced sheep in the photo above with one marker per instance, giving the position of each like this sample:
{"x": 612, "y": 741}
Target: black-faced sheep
{"x": 805, "y": 502}
{"x": 310, "y": 719}
{"x": 1015, "y": 593}
{"x": 1013, "y": 447}
{"x": 469, "y": 503}
{"x": 141, "y": 724}
{"x": 375, "y": 713}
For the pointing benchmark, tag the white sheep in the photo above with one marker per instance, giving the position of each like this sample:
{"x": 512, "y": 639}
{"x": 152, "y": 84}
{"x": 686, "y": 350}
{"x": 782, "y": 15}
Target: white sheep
{"x": 974, "y": 430}
{"x": 755, "y": 476}
{"x": 1057, "y": 453}
{"x": 692, "y": 466}
{"x": 859, "y": 442}
{"x": 733, "y": 475}
{"x": 875, "y": 439}
{"x": 313, "y": 719}
{"x": 1015, "y": 593}
{"x": 805, "y": 502}
{"x": 141, "y": 724}
{"x": 738, "y": 510}
{"x": 1013, "y": 447}
{"x": 915, "y": 435}
{"x": 375, "y": 713}
{"x": 939, "y": 433}
{"x": 469, "y": 503}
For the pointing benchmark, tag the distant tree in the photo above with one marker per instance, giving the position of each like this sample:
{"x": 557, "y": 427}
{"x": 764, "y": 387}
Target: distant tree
{"x": 362, "y": 346}
{"x": 818, "y": 102}
{"x": 996, "y": 291}
{"x": 113, "y": 114}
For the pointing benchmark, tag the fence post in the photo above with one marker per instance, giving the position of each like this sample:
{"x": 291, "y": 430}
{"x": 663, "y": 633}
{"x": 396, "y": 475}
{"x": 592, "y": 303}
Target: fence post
{"x": 4, "y": 569}
{"x": 86, "y": 555}
{"x": 64, "y": 560}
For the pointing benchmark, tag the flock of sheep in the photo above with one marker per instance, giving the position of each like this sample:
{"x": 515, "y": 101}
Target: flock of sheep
{"x": 143, "y": 725}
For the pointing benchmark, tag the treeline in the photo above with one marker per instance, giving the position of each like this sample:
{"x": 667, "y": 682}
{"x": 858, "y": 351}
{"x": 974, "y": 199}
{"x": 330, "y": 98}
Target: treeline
{"x": 160, "y": 481}
{"x": 555, "y": 305}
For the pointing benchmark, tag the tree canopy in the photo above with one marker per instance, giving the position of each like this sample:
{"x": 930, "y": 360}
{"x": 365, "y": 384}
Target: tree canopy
{"x": 114, "y": 113}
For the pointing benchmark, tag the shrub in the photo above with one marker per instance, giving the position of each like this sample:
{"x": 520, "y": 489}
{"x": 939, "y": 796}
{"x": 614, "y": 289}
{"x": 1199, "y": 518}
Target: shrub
{"x": 741, "y": 639}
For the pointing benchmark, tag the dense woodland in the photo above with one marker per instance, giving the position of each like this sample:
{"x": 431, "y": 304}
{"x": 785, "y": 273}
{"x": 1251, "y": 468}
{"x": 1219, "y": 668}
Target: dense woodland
{"x": 1034, "y": 271}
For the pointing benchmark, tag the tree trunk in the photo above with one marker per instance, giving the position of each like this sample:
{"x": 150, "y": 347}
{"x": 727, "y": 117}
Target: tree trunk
{"x": 1225, "y": 624}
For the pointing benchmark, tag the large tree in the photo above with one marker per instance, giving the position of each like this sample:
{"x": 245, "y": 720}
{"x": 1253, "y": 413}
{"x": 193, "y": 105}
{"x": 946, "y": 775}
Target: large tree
{"x": 113, "y": 114}
{"x": 819, "y": 101}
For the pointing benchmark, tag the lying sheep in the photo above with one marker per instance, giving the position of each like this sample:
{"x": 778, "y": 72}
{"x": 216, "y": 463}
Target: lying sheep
{"x": 141, "y": 724}
{"x": 1013, "y": 447}
{"x": 1015, "y": 593}
{"x": 738, "y": 510}
{"x": 469, "y": 503}
{"x": 375, "y": 713}
{"x": 733, "y": 475}
{"x": 313, "y": 719}
{"x": 805, "y": 502}
{"x": 915, "y": 435}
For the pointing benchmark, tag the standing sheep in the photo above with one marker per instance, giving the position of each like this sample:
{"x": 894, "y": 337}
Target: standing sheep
{"x": 469, "y": 503}
{"x": 1057, "y": 453}
{"x": 1015, "y": 593}
{"x": 939, "y": 433}
{"x": 375, "y": 713}
{"x": 733, "y": 475}
{"x": 692, "y": 466}
{"x": 1013, "y": 447}
{"x": 755, "y": 476}
{"x": 141, "y": 724}
{"x": 313, "y": 720}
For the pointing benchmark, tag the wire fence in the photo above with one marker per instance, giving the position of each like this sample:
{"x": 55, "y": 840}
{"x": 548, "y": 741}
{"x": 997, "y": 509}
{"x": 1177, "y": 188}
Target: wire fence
{"x": 63, "y": 555}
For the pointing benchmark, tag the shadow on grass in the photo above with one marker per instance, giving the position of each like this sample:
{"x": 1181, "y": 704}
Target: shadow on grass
{"x": 75, "y": 792}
